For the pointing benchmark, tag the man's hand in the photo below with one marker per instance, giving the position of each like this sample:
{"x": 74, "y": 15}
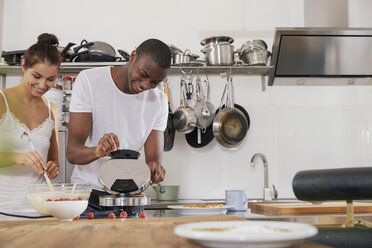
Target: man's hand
{"x": 157, "y": 172}
{"x": 52, "y": 169}
{"x": 107, "y": 144}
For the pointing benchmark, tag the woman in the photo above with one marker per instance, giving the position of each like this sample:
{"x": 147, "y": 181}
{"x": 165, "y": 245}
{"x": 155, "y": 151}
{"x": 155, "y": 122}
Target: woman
{"x": 25, "y": 115}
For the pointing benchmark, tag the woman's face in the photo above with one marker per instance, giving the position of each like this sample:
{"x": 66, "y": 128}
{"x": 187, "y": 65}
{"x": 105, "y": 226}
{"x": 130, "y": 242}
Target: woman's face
{"x": 144, "y": 74}
{"x": 40, "y": 78}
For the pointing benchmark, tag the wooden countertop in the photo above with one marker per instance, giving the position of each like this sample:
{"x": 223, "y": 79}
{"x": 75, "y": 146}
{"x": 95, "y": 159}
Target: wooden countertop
{"x": 150, "y": 232}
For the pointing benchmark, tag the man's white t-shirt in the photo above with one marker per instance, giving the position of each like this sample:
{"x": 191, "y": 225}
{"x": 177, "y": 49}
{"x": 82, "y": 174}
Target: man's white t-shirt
{"x": 129, "y": 116}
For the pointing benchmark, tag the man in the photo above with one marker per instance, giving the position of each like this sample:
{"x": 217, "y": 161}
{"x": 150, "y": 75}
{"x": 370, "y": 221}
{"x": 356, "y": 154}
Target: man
{"x": 116, "y": 108}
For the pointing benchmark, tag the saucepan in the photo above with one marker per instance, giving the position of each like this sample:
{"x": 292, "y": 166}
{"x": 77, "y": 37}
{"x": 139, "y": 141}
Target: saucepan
{"x": 184, "y": 118}
{"x": 230, "y": 124}
{"x": 166, "y": 192}
{"x": 218, "y": 50}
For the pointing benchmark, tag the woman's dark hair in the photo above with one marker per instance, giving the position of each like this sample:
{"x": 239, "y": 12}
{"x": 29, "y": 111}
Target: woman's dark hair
{"x": 44, "y": 51}
{"x": 158, "y": 51}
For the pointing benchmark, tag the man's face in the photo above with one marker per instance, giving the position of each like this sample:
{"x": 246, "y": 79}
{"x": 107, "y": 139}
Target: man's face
{"x": 143, "y": 74}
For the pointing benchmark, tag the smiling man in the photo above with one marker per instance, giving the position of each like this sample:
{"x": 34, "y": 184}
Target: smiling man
{"x": 116, "y": 108}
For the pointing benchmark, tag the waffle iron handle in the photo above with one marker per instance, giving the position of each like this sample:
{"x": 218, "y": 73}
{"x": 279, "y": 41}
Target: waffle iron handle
{"x": 125, "y": 154}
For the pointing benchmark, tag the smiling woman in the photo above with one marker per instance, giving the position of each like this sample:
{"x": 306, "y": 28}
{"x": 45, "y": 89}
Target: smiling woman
{"x": 24, "y": 110}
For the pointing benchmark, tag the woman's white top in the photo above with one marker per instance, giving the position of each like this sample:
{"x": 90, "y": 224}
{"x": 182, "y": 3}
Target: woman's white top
{"x": 14, "y": 179}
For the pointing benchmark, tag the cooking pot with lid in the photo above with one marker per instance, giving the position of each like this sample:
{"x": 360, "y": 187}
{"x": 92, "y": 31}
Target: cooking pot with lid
{"x": 183, "y": 57}
{"x": 218, "y": 50}
{"x": 219, "y": 54}
{"x": 216, "y": 40}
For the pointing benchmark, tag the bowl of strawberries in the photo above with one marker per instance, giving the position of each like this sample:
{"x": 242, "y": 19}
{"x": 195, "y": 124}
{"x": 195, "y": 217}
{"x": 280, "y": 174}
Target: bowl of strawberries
{"x": 64, "y": 201}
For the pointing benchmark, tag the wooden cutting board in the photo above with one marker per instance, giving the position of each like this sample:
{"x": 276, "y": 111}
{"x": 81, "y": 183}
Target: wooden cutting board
{"x": 300, "y": 208}
{"x": 105, "y": 233}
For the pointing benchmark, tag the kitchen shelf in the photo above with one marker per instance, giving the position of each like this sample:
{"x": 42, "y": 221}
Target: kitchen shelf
{"x": 76, "y": 67}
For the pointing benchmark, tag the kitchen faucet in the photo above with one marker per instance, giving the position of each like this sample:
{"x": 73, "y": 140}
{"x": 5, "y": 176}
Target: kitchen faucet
{"x": 266, "y": 192}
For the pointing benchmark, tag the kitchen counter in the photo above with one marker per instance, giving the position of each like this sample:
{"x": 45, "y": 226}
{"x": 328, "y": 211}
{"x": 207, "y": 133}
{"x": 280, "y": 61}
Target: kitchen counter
{"x": 150, "y": 232}
{"x": 158, "y": 205}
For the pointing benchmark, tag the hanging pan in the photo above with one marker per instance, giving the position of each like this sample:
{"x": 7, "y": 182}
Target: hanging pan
{"x": 200, "y": 137}
{"x": 230, "y": 124}
{"x": 184, "y": 119}
{"x": 169, "y": 130}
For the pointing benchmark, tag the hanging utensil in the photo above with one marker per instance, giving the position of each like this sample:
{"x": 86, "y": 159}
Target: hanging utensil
{"x": 169, "y": 132}
{"x": 204, "y": 110}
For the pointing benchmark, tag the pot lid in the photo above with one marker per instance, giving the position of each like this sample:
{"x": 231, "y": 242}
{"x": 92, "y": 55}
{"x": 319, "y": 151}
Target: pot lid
{"x": 124, "y": 175}
{"x": 217, "y": 39}
{"x": 174, "y": 49}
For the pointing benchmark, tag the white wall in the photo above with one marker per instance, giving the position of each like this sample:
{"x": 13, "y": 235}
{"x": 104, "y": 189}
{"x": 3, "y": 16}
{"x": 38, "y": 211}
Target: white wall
{"x": 1, "y": 25}
{"x": 295, "y": 127}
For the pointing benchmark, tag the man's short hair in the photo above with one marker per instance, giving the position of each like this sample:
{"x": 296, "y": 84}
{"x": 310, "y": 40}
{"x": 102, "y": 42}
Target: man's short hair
{"x": 158, "y": 51}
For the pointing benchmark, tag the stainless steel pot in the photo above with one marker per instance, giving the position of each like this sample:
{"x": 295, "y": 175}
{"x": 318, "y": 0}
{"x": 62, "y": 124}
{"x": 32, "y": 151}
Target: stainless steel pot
{"x": 253, "y": 45}
{"x": 216, "y": 40}
{"x": 255, "y": 57}
{"x": 219, "y": 54}
{"x": 184, "y": 58}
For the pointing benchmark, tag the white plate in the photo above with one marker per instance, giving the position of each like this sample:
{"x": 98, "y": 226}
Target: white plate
{"x": 184, "y": 210}
{"x": 257, "y": 234}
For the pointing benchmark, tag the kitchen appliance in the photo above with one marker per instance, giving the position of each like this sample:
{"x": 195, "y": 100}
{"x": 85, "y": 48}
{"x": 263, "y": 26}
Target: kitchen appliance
{"x": 335, "y": 184}
{"x": 321, "y": 56}
{"x": 124, "y": 177}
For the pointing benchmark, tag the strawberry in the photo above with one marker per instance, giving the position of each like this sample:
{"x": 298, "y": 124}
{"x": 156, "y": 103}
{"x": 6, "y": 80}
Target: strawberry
{"x": 79, "y": 198}
{"x": 90, "y": 216}
{"x": 111, "y": 216}
{"x": 123, "y": 215}
{"x": 49, "y": 199}
{"x": 142, "y": 215}
{"x": 77, "y": 217}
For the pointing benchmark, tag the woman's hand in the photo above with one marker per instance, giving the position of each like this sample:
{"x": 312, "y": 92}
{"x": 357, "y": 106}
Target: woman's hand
{"x": 107, "y": 144}
{"x": 52, "y": 169}
{"x": 31, "y": 159}
{"x": 157, "y": 172}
